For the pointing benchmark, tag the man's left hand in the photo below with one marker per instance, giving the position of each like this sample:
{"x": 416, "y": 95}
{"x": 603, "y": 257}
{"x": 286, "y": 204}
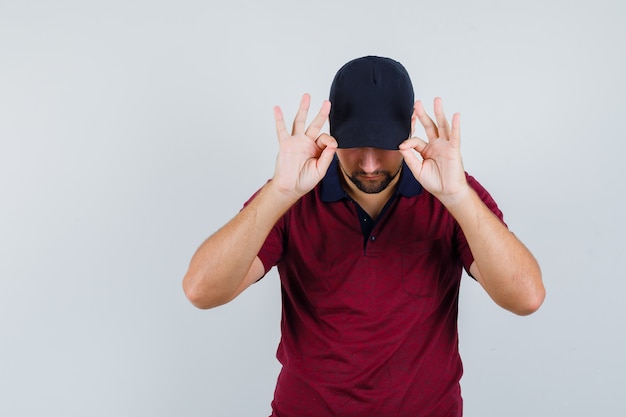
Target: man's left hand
{"x": 440, "y": 168}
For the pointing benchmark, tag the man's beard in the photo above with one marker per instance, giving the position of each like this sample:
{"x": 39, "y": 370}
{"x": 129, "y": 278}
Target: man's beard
{"x": 373, "y": 187}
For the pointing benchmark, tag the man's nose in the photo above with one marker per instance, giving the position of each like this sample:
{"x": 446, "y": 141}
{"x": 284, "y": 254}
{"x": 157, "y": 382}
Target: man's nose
{"x": 370, "y": 160}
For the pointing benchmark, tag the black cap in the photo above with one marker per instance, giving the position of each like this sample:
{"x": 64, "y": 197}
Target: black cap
{"x": 372, "y": 104}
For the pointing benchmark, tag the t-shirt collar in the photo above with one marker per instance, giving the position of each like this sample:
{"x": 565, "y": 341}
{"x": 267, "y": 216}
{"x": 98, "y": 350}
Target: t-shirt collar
{"x": 331, "y": 189}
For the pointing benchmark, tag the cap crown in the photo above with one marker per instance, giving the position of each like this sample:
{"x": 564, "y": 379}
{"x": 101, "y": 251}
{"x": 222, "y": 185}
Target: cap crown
{"x": 372, "y": 103}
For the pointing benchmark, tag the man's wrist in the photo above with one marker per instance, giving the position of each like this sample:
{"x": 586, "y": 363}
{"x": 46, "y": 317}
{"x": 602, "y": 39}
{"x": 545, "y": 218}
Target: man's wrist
{"x": 460, "y": 200}
{"x": 281, "y": 197}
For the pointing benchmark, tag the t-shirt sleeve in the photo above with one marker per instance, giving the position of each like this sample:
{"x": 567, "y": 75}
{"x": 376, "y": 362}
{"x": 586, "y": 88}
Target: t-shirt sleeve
{"x": 464, "y": 251}
{"x": 272, "y": 249}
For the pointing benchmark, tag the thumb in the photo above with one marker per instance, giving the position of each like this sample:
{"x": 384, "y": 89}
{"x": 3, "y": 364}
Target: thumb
{"x": 329, "y": 145}
{"x": 412, "y": 160}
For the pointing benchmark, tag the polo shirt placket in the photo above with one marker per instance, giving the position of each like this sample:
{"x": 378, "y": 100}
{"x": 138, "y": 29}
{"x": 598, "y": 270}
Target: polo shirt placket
{"x": 332, "y": 191}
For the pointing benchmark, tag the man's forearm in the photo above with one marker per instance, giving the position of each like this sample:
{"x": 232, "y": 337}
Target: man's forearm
{"x": 503, "y": 265}
{"x": 219, "y": 266}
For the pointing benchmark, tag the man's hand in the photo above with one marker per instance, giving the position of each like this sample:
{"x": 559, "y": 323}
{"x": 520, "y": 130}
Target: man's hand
{"x": 304, "y": 156}
{"x": 502, "y": 264}
{"x": 440, "y": 168}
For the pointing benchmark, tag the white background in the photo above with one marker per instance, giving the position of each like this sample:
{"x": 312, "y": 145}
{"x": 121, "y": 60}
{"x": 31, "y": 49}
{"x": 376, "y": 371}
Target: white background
{"x": 131, "y": 130}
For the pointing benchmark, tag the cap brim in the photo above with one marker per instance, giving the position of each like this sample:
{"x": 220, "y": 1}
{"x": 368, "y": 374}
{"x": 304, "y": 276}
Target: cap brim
{"x": 374, "y": 134}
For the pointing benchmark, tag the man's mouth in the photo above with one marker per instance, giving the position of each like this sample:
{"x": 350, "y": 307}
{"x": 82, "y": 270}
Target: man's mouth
{"x": 370, "y": 177}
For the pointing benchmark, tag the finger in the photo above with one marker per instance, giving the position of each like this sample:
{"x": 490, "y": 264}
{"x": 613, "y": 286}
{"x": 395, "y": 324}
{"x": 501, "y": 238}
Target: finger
{"x": 324, "y": 141}
{"x": 413, "y": 143}
{"x": 281, "y": 129}
{"x": 325, "y": 158}
{"x": 300, "y": 120}
{"x": 412, "y": 160}
{"x": 429, "y": 126}
{"x": 455, "y": 133}
{"x": 318, "y": 123}
{"x": 442, "y": 122}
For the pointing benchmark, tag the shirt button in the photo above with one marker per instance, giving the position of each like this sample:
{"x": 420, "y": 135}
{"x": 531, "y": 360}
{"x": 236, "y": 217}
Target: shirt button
{"x": 373, "y": 238}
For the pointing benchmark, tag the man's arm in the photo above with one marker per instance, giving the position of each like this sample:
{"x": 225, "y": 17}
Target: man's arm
{"x": 227, "y": 262}
{"x": 502, "y": 264}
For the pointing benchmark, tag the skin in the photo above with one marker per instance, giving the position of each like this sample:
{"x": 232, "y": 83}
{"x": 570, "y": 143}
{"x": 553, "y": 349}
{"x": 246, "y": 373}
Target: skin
{"x": 227, "y": 263}
{"x": 502, "y": 264}
{"x": 359, "y": 167}
{"x": 370, "y": 176}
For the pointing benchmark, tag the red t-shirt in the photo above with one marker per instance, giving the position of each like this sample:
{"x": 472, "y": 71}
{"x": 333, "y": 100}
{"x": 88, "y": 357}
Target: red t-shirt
{"x": 369, "y": 323}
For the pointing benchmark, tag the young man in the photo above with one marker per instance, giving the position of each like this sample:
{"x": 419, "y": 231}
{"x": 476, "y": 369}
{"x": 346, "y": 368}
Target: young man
{"x": 370, "y": 229}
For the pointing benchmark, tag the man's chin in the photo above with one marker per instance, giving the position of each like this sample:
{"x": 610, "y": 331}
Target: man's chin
{"x": 377, "y": 182}
{"x": 372, "y": 187}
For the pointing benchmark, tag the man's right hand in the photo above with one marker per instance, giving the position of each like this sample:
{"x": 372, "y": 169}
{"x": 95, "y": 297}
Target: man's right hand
{"x": 304, "y": 155}
{"x": 227, "y": 262}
